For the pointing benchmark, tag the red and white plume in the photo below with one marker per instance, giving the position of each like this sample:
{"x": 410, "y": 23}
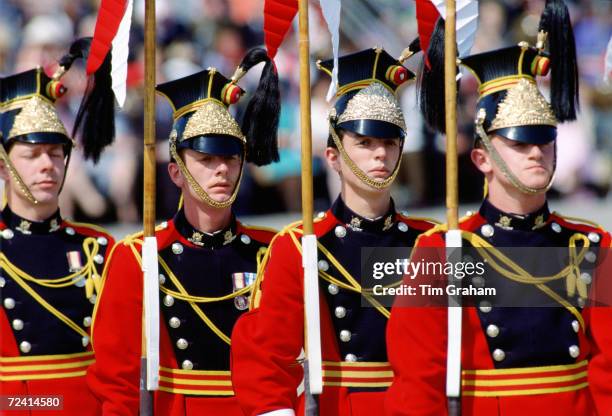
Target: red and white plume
{"x": 112, "y": 29}
{"x": 278, "y": 15}
{"x": 428, "y": 11}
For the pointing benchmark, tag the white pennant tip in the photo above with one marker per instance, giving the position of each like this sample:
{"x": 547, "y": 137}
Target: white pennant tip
{"x": 120, "y": 54}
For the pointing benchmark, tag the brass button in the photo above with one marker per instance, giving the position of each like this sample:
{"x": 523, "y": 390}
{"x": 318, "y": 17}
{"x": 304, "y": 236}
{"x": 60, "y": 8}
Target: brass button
{"x": 17, "y": 324}
{"x": 340, "y": 312}
{"x": 340, "y": 231}
{"x": 25, "y": 347}
{"x": 492, "y": 331}
{"x": 351, "y": 358}
{"x": 499, "y": 355}
{"x": 168, "y": 300}
{"x": 574, "y": 351}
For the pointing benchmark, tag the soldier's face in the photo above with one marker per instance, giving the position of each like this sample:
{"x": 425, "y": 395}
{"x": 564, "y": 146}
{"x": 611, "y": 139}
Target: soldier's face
{"x": 41, "y": 167}
{"x": 217, "y": 175}
{"x": 532, "y": 164}
{"x": 375, "y": 157}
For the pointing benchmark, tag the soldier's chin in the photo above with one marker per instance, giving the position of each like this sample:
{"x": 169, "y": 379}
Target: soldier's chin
{"x": 45, "y": 197}
{"x": 220, "y": 197}
{"x": 537, "y": 183}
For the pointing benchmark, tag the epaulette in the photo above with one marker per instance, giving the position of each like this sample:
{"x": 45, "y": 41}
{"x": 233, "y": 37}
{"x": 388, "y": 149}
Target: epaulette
{"x": 294, "y": 226}
{"x": 137, "y": 237}
{"x": 443, "y": 227}
{"x": 83, "y": 226}
{"x": 259, "y": 233}
{"x": 259, "y": 228}
{"x": 411, "y": 219}
{"x": 579, "y": 221}
{"x": 320, "y": 217}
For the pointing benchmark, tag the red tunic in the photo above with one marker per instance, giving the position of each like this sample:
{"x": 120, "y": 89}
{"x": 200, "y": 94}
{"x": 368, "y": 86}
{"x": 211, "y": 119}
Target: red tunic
{"x": 267, "y": 341}
{"x": 114, "y": 378}
{"x": 39, "y": 354}
{"x": 417, "y": 341}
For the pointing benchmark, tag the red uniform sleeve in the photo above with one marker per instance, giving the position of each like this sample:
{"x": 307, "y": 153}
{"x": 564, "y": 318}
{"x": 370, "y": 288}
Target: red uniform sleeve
{"x": 599, "y": 320}
{"x": 416, "y": 347}
{"x": 267, "y": 341}
{"x": 117, "y": 329}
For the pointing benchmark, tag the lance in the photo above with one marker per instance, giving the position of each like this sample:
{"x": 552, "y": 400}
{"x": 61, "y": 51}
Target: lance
{"x": 313, "y": 379}
{"x": 149, "y": 370}
{"x": 453, "y": 235}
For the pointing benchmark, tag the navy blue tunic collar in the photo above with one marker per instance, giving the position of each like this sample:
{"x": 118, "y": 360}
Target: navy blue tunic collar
{"x": 509, "y": 221}
{"x": 26, "y": 227}
{"x": 199, "y": 238}
{"x": 358, "y": 223}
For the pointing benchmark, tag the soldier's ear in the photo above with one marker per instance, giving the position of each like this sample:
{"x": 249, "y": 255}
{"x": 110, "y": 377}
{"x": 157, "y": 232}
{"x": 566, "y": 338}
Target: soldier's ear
{"x": 4, "y": 174}
{"x": 482, "y": 161}
{"x": 176, "y": 176}
{"x": 332, "y": 155}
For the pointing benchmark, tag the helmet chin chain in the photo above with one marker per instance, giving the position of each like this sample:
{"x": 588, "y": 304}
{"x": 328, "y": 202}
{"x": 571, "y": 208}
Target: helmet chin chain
{"x": 501, "y": 164}
{"x": 196, "y": 186}
{"x": 17, "y": 178}
{"x": 358, "y": 172}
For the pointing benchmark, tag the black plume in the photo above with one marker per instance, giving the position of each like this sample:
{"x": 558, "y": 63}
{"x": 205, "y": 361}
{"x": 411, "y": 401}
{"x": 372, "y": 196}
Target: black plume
{"x": 95, "y": 119}
{"x": 415, "y": 45}
{"x": 555, "y": 20}
{"x": 260, "y": 121}
{"x": 78, "y": 49}
{"x": 431, "y": 81}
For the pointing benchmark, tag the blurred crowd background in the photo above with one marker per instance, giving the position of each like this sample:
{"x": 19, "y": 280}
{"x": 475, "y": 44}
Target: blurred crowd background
{"x": 196, "y": 34}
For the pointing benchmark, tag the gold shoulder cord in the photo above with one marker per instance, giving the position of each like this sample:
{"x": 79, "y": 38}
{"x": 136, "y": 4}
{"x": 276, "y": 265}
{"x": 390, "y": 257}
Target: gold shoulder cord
{"x": 500, "y": 162}
{"x": 263, "y": 256}
{"x": 183, "y": 295}
{"x": 358, "y": 172}
{"x": 196, "y": 186}
{"x": 510, "y": 270}
{"x": 88, "y": 272}
{"x": 352, "y": 284}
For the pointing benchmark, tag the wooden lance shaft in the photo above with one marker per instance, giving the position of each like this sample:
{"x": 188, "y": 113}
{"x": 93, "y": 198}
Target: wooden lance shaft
{"x": 304, "y": 51}
{"x": 149, "y": 122}
{"x": 450, "y": 98}
{"x": 453, "y": 236}
{"x": 146, "y": 397}
{"x": 312, "y": 335}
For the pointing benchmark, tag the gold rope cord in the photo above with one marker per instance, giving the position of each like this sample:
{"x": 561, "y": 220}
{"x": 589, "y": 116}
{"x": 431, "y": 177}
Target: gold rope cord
{"x": 352, "y": 284}
{"x": 516, "y": 273}
{"x": 88, "y": 272}
{"x": 183, "y": 295}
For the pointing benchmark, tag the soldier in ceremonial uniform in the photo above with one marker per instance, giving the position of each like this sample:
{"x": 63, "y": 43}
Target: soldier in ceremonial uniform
{"x": 527, "y": 360}
{"x": 50, "y": 267}
{"x": 207, "y": 258}
{"x": 367, "y": 131}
